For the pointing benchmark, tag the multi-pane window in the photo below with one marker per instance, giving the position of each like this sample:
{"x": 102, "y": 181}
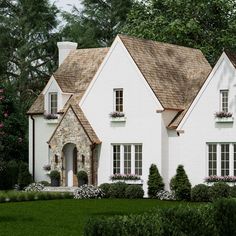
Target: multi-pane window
{"x": 127, "y": 159}
{"x": 138, "y": 159}
{"x": 53, "y": 103}
{"x": 116, "y": 159}
{"x": 118, "y": 97}
{"x": 224, "y": 100}
{"x": 212, "y": 159}
{"x": 224, "y": 159}
{"x": 234, "y": 159}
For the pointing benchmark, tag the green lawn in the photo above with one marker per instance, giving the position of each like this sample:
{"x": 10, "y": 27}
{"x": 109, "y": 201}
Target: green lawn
{"x": 65, "y": 217}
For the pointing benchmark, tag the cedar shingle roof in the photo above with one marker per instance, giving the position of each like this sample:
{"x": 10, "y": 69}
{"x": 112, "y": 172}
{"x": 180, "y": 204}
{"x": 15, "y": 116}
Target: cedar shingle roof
{"x": 174, "y": 73}
{"x": 74, "y": 74}
{"x": 38, "y": 106}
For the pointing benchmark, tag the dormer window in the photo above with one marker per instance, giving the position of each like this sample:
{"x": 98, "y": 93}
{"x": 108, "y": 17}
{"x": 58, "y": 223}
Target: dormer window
{"x": 224, "y": 97}
{"x": 118, "y": 100}
{"x": 53, "y": 103}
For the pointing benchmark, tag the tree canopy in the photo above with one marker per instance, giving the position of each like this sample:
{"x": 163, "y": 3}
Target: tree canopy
{"x": 209, "y": 25}
{"x": 97, "y": 23}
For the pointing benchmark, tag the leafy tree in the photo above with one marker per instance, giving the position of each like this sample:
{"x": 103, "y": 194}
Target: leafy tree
{"x": 29, "y": 41}
{"x": 155, "y": 181}
{"x": 180, "y": 184}
{"x": 97, "y": 23}
{"x": 209, "y": 25}
{"x": 13, "y": 126}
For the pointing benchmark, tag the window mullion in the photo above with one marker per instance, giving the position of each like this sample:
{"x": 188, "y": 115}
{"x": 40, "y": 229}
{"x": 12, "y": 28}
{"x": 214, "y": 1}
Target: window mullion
{"x": 122, "y": 159}
{"x": 132, "y": 159}
{"x": 231, "y": 159}
{"x": 218, "y": 159}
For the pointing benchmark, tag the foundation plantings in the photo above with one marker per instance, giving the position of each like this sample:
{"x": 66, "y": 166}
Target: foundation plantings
{"x": 82, "y": 177}
{"x": 55, "y": 178}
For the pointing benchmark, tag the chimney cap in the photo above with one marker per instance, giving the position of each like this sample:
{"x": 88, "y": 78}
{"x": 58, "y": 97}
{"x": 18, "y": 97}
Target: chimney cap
{"x": 67, "y": 45}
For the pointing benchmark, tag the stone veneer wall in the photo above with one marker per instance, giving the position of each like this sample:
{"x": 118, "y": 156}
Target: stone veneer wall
{"x": 71, "y": 131}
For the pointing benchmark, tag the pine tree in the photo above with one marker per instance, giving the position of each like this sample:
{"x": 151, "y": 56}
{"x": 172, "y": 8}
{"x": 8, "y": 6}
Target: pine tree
{"x": 155, "y": 181}
{"x": 180, "y": 184}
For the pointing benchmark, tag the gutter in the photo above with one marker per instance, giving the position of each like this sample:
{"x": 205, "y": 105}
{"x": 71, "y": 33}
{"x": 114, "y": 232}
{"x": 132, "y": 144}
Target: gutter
{"x": 33, "y": 146}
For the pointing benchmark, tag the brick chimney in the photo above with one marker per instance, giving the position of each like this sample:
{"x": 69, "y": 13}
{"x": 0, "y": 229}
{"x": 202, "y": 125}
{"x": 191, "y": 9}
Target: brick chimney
{"x": 64, "y": 48}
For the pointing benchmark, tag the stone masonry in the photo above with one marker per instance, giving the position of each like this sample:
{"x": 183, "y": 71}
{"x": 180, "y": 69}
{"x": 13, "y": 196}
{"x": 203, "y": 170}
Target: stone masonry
{"x": 70, "y": 131}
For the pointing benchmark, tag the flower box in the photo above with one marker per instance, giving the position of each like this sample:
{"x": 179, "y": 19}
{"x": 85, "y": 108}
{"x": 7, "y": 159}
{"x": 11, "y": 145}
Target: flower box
{"x": 224, "y": 119}
{"x": 136, "y": 181}
{"x": 118, "y": 119}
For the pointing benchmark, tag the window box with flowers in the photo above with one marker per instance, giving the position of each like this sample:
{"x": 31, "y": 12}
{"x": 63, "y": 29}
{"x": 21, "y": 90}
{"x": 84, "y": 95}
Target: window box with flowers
{"x": 127, "y": 178}
{"x": 226, "y": 179}
{"x": 223, "y": 117}
{"x": 117, "y": 116}
{"x": 51, "y": 118}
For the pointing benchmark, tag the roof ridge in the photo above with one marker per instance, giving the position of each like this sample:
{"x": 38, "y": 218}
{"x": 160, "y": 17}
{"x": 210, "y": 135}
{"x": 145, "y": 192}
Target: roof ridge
{"x": 157, "y": 42}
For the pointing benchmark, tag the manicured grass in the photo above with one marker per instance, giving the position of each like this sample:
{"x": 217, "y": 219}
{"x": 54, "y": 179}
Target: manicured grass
{"x": 66, "y": 217}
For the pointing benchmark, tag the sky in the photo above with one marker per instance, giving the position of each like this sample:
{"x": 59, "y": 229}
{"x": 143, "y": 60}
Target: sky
{"x": 66, "y": 4}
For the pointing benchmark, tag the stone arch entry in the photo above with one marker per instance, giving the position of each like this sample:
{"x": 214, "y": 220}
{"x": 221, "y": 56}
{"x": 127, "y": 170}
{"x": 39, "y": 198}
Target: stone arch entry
{"x": 70, "y": 164}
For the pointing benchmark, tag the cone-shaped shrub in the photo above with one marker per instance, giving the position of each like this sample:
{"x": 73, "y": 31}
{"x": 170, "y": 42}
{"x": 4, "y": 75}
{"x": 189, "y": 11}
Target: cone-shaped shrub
{"x": 180, "y": 184}
{"x": 155, "y": 181}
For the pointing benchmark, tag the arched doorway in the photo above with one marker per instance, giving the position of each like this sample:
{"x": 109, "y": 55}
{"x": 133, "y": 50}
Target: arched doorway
{"x": 70, "y": 164}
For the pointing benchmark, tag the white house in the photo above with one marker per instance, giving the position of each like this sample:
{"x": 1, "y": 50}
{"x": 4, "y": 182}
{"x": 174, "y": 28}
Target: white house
{"x": 169, "y": 96}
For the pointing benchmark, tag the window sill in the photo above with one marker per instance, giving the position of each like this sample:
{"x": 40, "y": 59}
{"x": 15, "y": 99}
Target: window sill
{"x": 224, "y": 120}
{"x": 51, "y": 121}
{"x": 137, "y": 181}
{"x": 118, "y": 119}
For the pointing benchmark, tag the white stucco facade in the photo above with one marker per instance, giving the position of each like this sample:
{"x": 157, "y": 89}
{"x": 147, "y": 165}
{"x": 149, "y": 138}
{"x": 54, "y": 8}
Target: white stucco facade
{"x": 145, "y": 121}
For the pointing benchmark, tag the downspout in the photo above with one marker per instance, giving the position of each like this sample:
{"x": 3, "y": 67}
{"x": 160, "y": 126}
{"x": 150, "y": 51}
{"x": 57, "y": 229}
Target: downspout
{"x": 33, "y": 146}
{"x": 93, "y": 146}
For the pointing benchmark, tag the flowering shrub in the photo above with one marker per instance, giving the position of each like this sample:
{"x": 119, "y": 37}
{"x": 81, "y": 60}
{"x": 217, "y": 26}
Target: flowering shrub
{"x": 124, "y": 177}
{"x": 88, "y": 192}
{"x": 165, "y": 195}
{"x": 34, "y": 187}
{"x": 214, "y": 178}
{"x": 47, "y": 167}
{"x": 116, "y": 114}
{"x": 49, "y": 116}
{"x": 222, "y": 114}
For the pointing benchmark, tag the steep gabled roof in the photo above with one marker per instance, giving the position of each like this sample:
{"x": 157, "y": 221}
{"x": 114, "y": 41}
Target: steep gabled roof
{"x": 74, "y": 74}
{"x": 82, "y": 120}
{"x": 174, "y": 73}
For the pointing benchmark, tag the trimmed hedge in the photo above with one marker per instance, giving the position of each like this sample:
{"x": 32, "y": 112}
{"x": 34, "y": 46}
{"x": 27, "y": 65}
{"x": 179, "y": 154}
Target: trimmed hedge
{"x": 134, "y": 191}
{"x": 200, "y": 193}
{"x": 105, "y": 188}
{"x": 217, "y": 219}
{"x": 15, "y": 196}
{"x": 117, "y": 190}
{"x": 219, "y": 190}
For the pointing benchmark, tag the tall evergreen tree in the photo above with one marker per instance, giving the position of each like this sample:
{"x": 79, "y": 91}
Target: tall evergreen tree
{"x": 97, "y": 23}
{"x": 209, "y": 25}
{"x": 155, "y": 181}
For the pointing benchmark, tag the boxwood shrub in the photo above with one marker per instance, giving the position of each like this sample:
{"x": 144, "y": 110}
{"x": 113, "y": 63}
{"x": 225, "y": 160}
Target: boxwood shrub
{"x": 134, "y": 191}
{"x": 105, "y": 187}
{"x": 200, "y": 193}
{"x": 233, "y": 191}
{"x": 117, "y": 190}
{"x": 219, "y": 190}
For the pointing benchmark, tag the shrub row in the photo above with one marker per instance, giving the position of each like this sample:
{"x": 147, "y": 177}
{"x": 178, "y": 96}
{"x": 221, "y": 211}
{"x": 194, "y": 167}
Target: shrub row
{"x": 206, "y": 220}
{"x": 15, "y": 196}
{"x": 12, "y": 173}
{"x": 122, "y": 190}
{"x": 204, "y": 193}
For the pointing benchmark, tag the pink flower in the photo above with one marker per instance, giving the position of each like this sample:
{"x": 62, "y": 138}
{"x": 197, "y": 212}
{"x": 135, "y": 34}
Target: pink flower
{"x": 5, "y": 114}
{"x": 1, "y": 125}
{"x": 1, "y": 90}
